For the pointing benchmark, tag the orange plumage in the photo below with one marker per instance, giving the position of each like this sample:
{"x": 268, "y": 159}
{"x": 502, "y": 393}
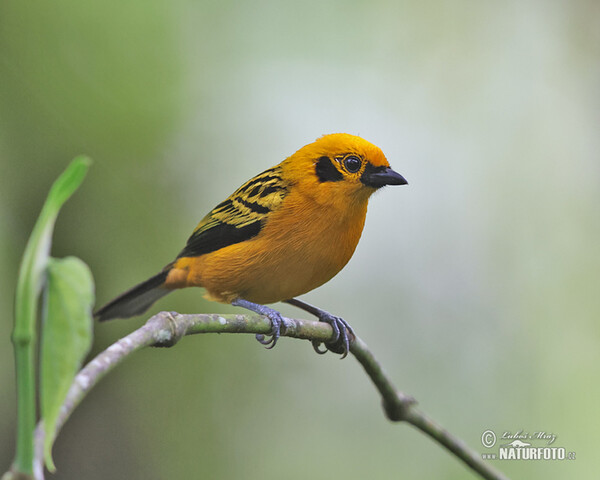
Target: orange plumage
{"x": 281, "y": 234}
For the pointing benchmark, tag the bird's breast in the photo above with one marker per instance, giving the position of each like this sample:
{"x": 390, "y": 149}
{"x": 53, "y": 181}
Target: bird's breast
{"x": 300, "y": 247}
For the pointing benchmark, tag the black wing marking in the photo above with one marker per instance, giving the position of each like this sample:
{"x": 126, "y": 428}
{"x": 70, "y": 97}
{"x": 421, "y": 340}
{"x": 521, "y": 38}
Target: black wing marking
{"x": 219, "y": 236}
{"x": 240, "y": 217}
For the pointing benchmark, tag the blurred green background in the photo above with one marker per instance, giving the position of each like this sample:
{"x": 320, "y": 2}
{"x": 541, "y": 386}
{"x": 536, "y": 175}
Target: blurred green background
{"x": 477, "y": 286}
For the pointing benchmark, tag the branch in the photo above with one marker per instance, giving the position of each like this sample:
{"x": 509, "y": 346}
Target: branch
{"x": 400, "y": 407}
{"x": 165, "y": 329}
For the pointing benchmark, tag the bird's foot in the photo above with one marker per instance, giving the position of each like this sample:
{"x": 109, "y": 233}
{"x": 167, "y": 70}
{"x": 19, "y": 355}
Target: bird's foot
{"x": 343, "y": 335}
{"x": 278, "y": 322}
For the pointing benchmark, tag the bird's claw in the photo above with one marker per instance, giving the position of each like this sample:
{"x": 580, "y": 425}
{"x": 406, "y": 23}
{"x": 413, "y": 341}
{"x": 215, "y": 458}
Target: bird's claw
{"x": 342, "y": 338}
{"x": 278, "y": 326}
{"x": 317, "y": 347}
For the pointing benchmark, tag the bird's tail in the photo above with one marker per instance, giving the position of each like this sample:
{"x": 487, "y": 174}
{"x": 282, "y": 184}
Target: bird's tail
{"x": 136, "y": 300}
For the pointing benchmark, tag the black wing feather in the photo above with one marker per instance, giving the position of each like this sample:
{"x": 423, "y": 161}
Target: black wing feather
{"x": 219, "y": 236}
{"x": 240, "y": 217}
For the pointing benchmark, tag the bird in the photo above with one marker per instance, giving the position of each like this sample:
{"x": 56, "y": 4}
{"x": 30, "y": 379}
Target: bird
{"x": 283, "y": 233}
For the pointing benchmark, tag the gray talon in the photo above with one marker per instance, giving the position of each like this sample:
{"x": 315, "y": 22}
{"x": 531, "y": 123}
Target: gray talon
{"x": 273, "y": 315}
{"x": 316, "y": 346}
{"x": 341, "y": 329}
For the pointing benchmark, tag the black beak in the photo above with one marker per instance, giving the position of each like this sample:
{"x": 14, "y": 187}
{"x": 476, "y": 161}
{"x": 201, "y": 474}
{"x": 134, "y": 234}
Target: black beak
{"x": 378, "y": 177}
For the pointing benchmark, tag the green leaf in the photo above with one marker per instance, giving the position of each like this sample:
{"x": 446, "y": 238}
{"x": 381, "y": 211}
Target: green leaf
{"x": 66, "y": 337}
{"x": 29, "y": 285}
{"x": 33, "y": 265}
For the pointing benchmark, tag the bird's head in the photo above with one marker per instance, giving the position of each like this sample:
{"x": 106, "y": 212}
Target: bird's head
{"x": 342, "y": 166}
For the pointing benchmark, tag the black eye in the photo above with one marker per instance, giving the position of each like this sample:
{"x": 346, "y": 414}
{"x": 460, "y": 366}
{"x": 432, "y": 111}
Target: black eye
{"x": 352, "y": 163}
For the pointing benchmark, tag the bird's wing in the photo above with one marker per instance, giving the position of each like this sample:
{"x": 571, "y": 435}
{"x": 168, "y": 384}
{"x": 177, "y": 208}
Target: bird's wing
{"x": 240, "y": 217}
